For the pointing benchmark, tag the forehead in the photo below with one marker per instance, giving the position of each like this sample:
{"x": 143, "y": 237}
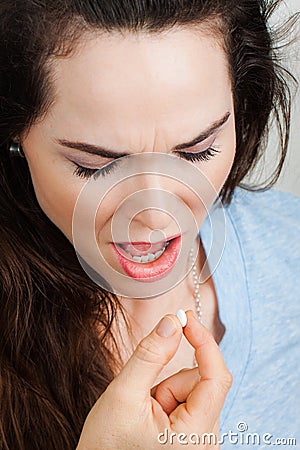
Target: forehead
{"x": 117, "y": 80}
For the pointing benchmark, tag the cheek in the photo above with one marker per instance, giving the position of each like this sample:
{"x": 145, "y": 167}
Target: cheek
{"x": 55, "y": 193}
{"x": 219, "y": 168}
{"x": 218, "y": 172}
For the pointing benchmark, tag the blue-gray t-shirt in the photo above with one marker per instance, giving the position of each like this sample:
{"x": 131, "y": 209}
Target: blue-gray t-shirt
{"x": 257, "y": 282}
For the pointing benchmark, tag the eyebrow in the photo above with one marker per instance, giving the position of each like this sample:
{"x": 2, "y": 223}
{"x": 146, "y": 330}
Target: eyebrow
{"x": 107, "y": 153}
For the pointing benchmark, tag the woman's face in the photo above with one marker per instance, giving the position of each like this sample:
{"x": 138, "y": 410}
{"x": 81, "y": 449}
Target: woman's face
{"x": 133, "y": 94}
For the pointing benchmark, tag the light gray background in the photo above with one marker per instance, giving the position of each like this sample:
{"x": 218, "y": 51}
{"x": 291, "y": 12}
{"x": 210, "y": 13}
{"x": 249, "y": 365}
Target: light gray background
{"x": 290, "y": 177}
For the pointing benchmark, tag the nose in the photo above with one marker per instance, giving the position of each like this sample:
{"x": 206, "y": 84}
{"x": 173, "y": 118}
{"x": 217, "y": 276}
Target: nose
{"x": 152, "y": 201}
{"x": 154, "y": 219}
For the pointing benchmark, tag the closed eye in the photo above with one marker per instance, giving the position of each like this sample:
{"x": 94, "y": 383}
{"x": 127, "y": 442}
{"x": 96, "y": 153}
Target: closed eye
{"x": 199, "y": 156}
{"x": 85, "y": 172}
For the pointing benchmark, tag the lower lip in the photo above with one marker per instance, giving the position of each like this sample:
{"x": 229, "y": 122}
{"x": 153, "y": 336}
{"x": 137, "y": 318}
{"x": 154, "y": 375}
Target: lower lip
{"x": 154, "y": 270}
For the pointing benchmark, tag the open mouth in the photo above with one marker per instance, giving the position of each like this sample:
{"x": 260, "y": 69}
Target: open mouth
{"x": 146, "y": 261}
{"x": 142, "y": 252}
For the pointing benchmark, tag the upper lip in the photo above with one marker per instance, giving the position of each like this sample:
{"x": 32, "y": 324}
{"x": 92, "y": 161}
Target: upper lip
{"x": 142, "y": 248}
{"x": 147, "y": 242}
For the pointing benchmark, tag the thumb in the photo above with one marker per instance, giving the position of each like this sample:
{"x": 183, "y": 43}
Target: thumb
{"x": 150, "y": 356}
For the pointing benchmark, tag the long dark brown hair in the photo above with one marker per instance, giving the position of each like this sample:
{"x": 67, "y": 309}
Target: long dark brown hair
{"x": 54, "y": 362}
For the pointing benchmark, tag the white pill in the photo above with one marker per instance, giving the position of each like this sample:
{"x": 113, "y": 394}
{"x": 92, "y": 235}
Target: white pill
{"x": 182, "y": 317}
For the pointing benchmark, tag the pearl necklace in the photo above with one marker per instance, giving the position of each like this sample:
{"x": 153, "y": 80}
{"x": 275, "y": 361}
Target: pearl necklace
{"x": 196, "y": 294}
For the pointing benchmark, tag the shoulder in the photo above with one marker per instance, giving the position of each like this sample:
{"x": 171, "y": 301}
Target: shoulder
{"x": 269, "y": 201}
{"x": 274, "y": 209}
{"x": 267, "y": 220}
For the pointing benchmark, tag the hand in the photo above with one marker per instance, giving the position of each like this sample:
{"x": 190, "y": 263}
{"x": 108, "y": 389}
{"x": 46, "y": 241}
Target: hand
{"x": 127, "y": 417}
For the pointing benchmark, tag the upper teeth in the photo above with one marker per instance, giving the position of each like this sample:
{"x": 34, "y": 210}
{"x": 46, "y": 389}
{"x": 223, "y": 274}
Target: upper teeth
{"x": 149, "y": 257}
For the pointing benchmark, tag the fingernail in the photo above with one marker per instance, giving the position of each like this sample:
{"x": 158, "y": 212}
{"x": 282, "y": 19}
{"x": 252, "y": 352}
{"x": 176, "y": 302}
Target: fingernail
{"x": 166, "y": 327}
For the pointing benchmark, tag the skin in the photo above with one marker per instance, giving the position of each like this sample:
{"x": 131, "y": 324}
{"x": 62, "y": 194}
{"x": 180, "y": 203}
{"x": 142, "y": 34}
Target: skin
{"x": 135, "y": 93}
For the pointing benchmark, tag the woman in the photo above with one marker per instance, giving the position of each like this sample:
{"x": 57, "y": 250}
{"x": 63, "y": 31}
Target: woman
{"x": 96, "y": 86}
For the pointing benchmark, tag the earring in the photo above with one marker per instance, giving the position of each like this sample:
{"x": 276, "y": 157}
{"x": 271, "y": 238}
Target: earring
{"x": 15, "y": 149}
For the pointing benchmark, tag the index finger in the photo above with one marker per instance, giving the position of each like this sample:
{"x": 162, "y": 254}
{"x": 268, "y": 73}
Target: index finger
{"x": 205, "y": 401}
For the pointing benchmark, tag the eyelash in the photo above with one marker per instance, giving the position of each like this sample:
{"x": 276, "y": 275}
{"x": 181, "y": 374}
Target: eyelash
{"x": 85, "y": 172}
